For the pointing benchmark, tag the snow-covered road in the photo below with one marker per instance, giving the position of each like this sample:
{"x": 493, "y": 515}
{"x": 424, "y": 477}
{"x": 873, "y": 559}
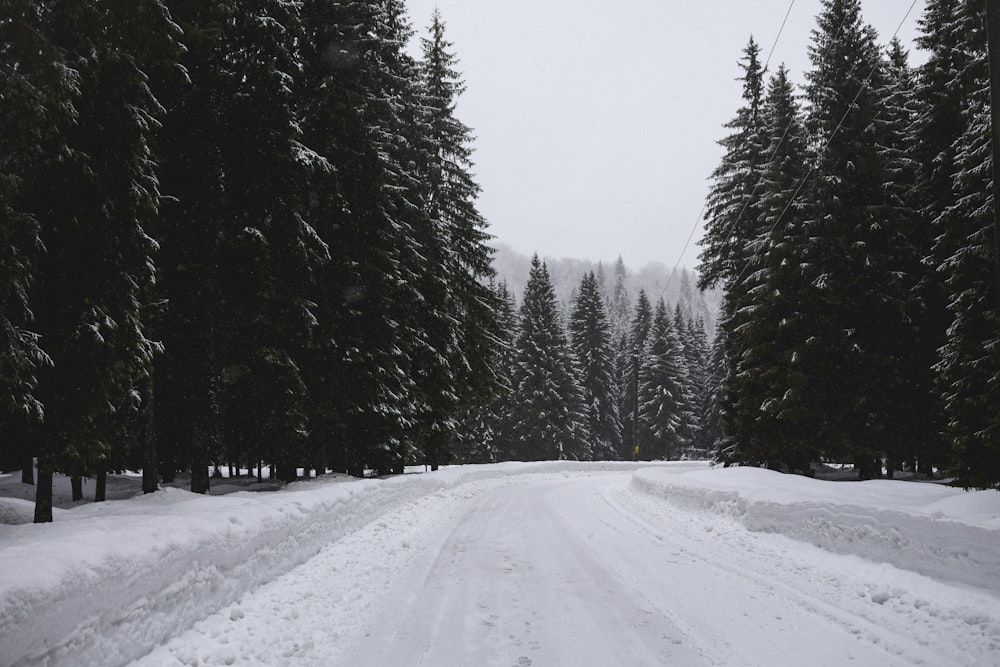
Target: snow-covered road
{"x": 583, "y": 568}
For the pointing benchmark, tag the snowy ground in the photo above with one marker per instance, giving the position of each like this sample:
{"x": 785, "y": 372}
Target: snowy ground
{"x": 516, "y": 564}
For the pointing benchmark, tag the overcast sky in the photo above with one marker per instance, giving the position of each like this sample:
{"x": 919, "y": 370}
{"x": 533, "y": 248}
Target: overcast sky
{"x": 596, "y": 120}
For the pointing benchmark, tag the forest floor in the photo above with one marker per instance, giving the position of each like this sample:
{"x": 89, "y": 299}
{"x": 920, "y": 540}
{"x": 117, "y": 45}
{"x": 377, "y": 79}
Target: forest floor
{"x": 513, "y": 564}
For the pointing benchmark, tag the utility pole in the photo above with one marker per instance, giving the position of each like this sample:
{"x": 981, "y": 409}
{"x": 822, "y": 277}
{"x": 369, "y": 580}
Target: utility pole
{"x": 993, "y": 40}
{"x": 635, "y": 404}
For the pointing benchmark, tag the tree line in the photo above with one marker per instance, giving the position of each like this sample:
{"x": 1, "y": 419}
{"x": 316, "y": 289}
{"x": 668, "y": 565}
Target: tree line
{"x": 241, "y": 231}
{"x": 850, "y": 223}
{"x": 616, "y": 378}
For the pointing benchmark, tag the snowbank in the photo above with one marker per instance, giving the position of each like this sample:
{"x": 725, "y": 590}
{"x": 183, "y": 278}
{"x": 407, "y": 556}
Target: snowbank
{"x": 938, "y": 531}
{"x": 107, "y": 582}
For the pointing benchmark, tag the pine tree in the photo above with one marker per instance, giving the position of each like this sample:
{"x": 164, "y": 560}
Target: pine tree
{"x": 590, "y": 335}
{"x": 619, "y": 305}
{"x": 698, "y": 350}
{"x": 692, "y": 358}
{"x": 36, "y": 106}
{"x": 663, "y": 395}
{"x": 267, "y": 317}
{"x": 732, "y": 210}
{"x": 856, "y": 258}
{"x": 632, "y": 362}
{"x": 969, "y": 370}
{"x": 548, "y": 418}
{"x": 191, "y": 150}
{"x": 917, "y": 432}
{"x": 94, "y": 206}
{"x": 359, "y": 114}
{"x": 763, "y": 381}
{"x": 471, "y": 342}
{"x": 945, "y": 83}
{"x": 484, "y": 434}
{"x": 712, "y": 421}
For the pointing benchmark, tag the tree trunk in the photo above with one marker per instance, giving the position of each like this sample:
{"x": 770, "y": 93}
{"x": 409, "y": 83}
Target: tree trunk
{"x": 199, "y": 463}
{"x": 150, "y": 460}
{"x": 77, "y": 483}
{"x": 43, "y": 497}
{"x": 100, "y": 491}
{"x": 28, "y": 469}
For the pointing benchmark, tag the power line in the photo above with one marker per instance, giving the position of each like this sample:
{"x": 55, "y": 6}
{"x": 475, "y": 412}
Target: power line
{"x": 697, "y": 222}
{"x": 780, "y": 30}
{"x": 829, "y": 140}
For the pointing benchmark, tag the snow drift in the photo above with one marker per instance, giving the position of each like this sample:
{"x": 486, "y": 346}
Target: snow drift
{"x": 107, "y": 582}
{"x": 938, "y": 531}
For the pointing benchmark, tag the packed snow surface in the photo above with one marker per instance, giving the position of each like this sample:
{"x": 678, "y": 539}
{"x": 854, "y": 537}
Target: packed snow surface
{"x": 514, "y": 564}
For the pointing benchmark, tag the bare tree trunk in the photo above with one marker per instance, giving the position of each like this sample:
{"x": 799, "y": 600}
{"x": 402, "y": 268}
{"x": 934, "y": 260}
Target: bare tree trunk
{"x": 77, "y": 484}
{"x": 43, "y": 497}
{"x": 100, "y": 491}
{"x": 150, "y": 461}
{"x": 199, "y": 463}
{"x": 28, "y": 469}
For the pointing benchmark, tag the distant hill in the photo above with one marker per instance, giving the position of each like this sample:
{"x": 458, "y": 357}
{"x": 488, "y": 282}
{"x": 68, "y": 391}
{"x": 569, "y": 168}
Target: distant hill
{"x": 512, "y": 267}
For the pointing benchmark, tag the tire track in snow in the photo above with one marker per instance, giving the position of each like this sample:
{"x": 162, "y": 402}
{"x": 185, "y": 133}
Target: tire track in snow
{"x": 895, "y": 611}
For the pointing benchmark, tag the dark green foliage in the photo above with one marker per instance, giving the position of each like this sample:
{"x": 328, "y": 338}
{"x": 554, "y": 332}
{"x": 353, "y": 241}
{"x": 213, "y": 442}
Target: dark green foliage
{"x": 94, "y": 193}
{"x": 880, "y": 272}
{"x": 484, "y": 433}
{"x": 548, "y": 416}
{"x": 36, "y": 105}
{"x": 732, "y": 211}
{"x": 946, "y": 83}
{"x": 469, "y": 337}
{"x": 633, "y": 359}
{"x": 664, "y": 400}
{"x": 764, "y": 379}
{"x": 590, "y": 335}
{"x": 969, "y": 370}
{"x": 320, "y": 289}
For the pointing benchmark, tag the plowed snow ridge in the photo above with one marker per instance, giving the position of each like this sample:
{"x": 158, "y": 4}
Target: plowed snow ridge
{"x": 936, "y": 531}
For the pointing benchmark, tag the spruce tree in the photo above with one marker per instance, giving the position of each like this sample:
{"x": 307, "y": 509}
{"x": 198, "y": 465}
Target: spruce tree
{"x": 36, "y": 106}
{"x": 712, "y": 420}
{"x": 267, "y": 316}
{"x": 663, "y": 396}
{"x": 857, "y": 259}
{"x": 94, "y": 206}
{"x": 590, "y": 335}
{"x": 945, "y": 83}
{"x": 917, "y": 432}
{"x": 699, "y": 351}
{"x": 358, "y": 113}
{"x": 194, "y": 160}
{"x": 969, "y": 370}
{"x": 484, "y": 432}
{"x": 763, "y": 382}
{"x": 633, "y": 360}
{"x": 469, "y": 306}
{"x": 691, "y": 359}
{"x": 732, "y": 211}
{"x": 548, "y": 417}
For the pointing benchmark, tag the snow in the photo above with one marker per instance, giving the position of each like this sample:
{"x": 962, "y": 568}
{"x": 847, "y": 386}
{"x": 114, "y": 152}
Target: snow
{"x": 544, "y": 563}
{"x": 935, "y": 530}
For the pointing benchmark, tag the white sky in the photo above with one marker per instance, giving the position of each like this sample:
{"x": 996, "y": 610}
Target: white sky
{"x": 596, "y": 121}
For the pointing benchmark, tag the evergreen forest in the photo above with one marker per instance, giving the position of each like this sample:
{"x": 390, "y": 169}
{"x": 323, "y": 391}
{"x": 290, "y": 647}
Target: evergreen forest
{"x": 245, "y": 234}
{"x": 851, "y": 226}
